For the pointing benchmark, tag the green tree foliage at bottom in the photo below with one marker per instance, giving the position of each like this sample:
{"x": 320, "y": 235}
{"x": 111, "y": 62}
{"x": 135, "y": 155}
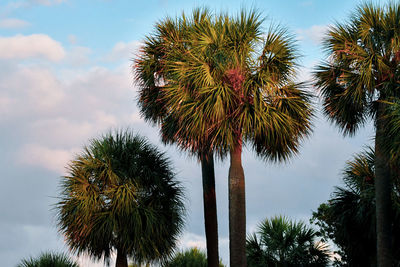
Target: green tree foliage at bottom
{"x": 49, "y": 259}
{"x": 348, "y": 218}
{"x": 189, "y": 258}
{"x": 281, "y": 242}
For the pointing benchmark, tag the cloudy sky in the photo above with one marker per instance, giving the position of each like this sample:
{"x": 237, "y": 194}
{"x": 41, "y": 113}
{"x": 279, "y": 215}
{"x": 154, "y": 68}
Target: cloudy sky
{"x": 66, "y": 77}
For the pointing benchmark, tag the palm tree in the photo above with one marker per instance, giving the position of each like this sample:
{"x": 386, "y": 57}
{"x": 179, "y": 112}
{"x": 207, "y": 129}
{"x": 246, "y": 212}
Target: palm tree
{"x": 356, "y": 83}
{"x": 348, "y": 218}
{"x": 120, "y": 194}
{"x": 190, "y": 258}
{"x": 152, "y": 76}
{"x": 49, "y": 259}
{"x": 281, "y": 242}
{"x": 229, "y": 84}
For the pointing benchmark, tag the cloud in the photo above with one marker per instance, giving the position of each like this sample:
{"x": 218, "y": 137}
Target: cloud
{"x": 123, "y": 51}
{"x": 11, "y": 23}
{"x": 72, "y": 39}
{"x": 45, "y": 2}
{"x": 31, "y": 46}
{"x": 190, "y": 240}
{"x": 51, "y": 159}
{"x": 79, "y": 55}
{"x": 315, "y": 33}
{"x": 28, "y": 91}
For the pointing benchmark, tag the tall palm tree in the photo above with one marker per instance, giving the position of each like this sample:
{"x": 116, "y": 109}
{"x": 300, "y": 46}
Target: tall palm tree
{"x": 120, "y": 194}
{"x": 229, "y": 84}
{"x": 348, "y": 218}
{"x": 281, "y": 242}
{"x": 152, "y": 76}
{"x": 356, "y": 83}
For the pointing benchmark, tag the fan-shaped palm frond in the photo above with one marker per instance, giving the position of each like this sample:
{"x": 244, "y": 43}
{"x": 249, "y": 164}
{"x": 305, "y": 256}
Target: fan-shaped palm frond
{"x": 120, "y": 194}
{"x": 281, "y": 242}
{"x": 49, "y": 259}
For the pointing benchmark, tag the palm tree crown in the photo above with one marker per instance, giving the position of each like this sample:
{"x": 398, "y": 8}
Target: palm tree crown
{"x": 364, "y": 55}
{"x": 120, "y": 194}
{"x": 241, "y": 85}
{"x": 281, "y": 242}
{"x": 348, "y": 218}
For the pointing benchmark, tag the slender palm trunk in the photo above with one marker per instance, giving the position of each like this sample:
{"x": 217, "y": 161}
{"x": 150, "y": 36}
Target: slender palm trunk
{"x": 382, "y": 195}
{"x": 237, "y": 210}
{"x": 122, "y": 260}
{"x": 210, "y": 209}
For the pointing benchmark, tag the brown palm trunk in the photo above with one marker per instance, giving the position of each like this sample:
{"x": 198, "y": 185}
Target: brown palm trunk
{"x": 382, "y": 195}
{"x": 237, "y": 210}
{"x": 122, "y": 260}
{"x": 210, "y": 209}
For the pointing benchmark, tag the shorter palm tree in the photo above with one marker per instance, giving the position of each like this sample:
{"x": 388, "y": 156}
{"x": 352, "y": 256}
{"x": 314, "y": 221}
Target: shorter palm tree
{"x": 49, "y": 259}
{"x": 190, "y": 258}
{"x": 348, "y": 218}
{"x": 120, "y": 194}
{"x": 281, "y": 242}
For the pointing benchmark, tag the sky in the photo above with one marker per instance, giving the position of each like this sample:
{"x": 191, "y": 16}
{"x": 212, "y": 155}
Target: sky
{"x": 66, "y": 77}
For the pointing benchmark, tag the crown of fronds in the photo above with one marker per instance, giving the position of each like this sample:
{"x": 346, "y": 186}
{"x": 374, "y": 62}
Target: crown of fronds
{"x": 120, "y": 193}
{"x": 212, "y": 81}
{"x": 362, "y": 67}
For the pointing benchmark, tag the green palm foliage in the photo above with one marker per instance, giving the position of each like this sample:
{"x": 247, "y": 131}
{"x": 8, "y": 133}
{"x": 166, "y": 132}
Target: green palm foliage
{"x": 357, "y": 82}
{"x": 281, "y": 242}
{"x": 49, "y": 259}
{"x": 348, "y": 218}
{"x": 190, "y": 258}
{"x": 227, "y": 83}
{"x": 152, "y": 76}
{"x": 120, "y": 194}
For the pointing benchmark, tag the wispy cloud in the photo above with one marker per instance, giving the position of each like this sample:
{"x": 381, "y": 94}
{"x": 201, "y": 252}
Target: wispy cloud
{"x": 11, "y": 23}
{"x": 315, "y": 33}
{"x": 48, "y": 158}
{"x": 123, "y": 51}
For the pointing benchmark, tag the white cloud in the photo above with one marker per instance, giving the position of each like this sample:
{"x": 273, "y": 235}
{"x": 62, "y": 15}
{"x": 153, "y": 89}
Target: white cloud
{"x": 31, "y": 89}
{"x": 190, "y": 240}
{"x": 315, "y": 33}
{"x": 51, "y": 159}
{"x": 31, "y": 46}
{"x": 79, "y": 55}
{"x": 123, "y": 51}
{"x": 46, "y": 2}
{"x": 11, "y": 23}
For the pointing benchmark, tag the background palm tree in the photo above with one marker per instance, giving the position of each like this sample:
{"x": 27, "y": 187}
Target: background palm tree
{"x": 190, "y": 258}
{"x": 241, "y": 91}
{"x": 348, "y": 218}
{"x": 49, "y": 259}
{"x": 152, "y": 76}
{"x": 281, "y": 242}
{"x": 357, "y": 82}
{"x": 120, "y": 194}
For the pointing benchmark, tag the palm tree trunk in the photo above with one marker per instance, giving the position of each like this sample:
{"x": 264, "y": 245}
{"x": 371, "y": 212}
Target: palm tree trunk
{"x": 382, "y": 195}
{"x": 237, "y": 210}
{"x": 122, "y": 260}
{"x": 210, "y": 209}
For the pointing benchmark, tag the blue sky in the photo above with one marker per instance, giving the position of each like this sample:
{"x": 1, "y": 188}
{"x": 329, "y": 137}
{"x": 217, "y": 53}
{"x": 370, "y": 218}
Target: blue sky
{"x": 66, "y": 77}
